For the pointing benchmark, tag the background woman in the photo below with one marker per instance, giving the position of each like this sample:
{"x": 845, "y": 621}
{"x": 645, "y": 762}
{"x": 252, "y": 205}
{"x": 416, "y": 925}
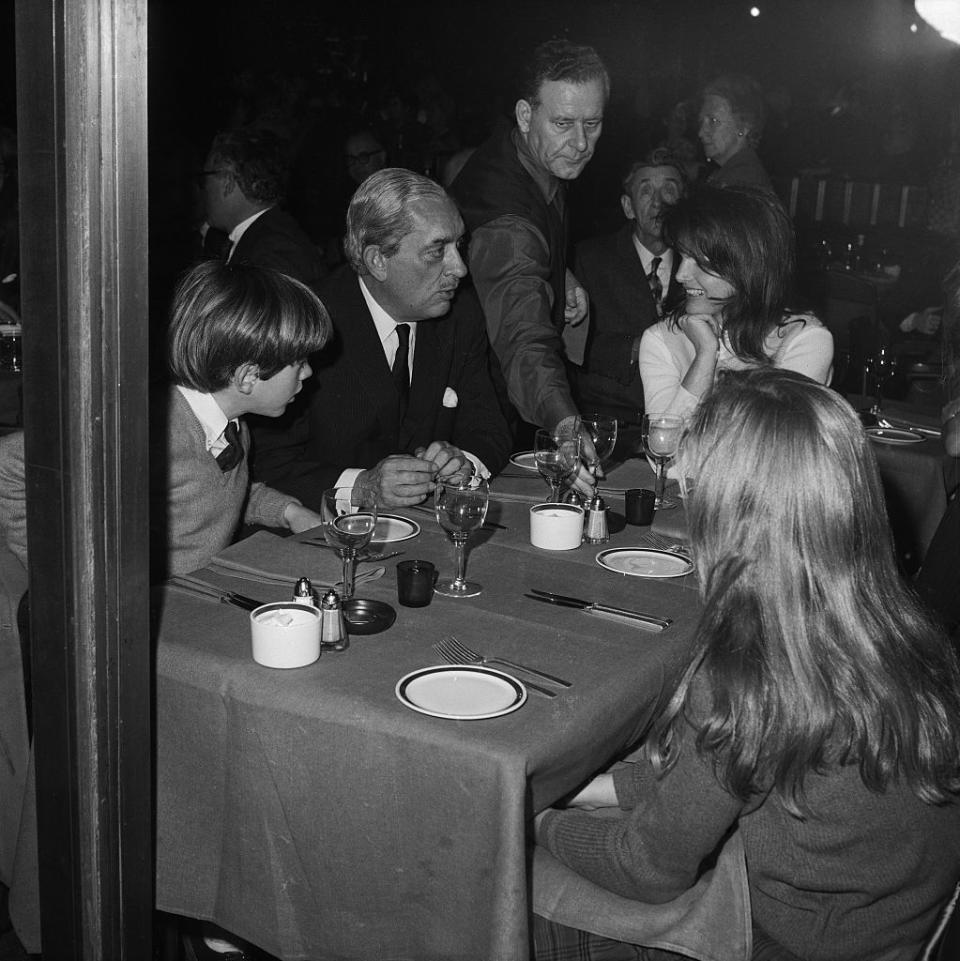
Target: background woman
{"x": 731, "y": 121}
{"x": 736, "y": 246}
{"x": 820, "y": 710}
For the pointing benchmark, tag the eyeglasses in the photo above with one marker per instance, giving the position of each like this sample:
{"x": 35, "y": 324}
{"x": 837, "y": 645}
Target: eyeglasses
{"x": 362, "y": 158}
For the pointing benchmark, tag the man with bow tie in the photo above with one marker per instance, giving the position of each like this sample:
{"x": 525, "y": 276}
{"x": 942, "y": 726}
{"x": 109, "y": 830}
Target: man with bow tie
{"x": 404, "y": 397}
{"x": 631, "y": 276}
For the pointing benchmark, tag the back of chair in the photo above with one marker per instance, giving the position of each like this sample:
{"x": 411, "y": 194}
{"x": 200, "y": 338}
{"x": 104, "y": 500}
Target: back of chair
{"x": 938, "y": 580}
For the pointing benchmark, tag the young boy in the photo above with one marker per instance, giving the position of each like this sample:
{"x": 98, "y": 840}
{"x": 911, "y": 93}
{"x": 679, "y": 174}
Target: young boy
{"x": 239, "y": 340}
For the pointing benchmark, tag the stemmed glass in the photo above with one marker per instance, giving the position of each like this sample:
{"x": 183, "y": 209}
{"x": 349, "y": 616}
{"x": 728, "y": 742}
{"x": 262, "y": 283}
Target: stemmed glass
{"x": 557, "y": 455}
{"x": 883, "y": 365}
{"x": 661, "y": 438}
{"x": 461, "y": 509}
{"x": 349, "y": 520}
{"x": 603, "y": 432}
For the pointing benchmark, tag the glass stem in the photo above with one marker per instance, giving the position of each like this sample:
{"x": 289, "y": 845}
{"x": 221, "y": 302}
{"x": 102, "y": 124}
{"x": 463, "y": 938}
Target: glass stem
{"x": 555, "y": 491}
{"x": 348, "y": 562}
{"x": 661, "y": 480}
{"x": 459, "y": 545}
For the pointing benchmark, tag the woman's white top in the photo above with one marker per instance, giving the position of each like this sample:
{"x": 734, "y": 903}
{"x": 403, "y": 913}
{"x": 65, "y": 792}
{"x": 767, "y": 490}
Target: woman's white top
{"x": 802, "y": 344}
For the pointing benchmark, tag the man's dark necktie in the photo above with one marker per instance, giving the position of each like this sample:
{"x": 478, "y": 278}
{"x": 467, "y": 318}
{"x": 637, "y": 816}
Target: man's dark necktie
{"x": 401, "y": 367}
{"x": 232, "y": 454}
{"x": 653, "y": 279}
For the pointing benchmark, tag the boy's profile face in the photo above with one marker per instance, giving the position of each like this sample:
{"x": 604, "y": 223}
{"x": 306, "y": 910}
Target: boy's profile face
{"x": 270, "y": 397}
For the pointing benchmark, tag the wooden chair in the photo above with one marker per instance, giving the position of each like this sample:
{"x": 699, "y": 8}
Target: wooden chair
{"x": 944, "y": 944}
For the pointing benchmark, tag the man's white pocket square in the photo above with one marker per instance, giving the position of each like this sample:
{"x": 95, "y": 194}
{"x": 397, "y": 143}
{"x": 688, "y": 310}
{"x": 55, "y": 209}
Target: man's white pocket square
{"x": 450, "y": 398}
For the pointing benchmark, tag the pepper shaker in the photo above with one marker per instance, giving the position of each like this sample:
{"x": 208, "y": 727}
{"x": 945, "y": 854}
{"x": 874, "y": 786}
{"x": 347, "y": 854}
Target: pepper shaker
{"x": 303, "y": 593}
{"x": 596, "y": 530}
{"x": 333, "y": 625}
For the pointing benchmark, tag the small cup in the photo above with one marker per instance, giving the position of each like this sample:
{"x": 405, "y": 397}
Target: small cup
{"x": 285, "y": 634}
{"x": 556, "y": 527}
{"x": 638, "y": 506}
{"x": 415, "y": 580}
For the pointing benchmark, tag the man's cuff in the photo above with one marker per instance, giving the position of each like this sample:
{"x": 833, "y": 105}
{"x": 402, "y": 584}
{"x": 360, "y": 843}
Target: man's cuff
{"x": 478, "y": 465}
{"x": 349, "y": 477}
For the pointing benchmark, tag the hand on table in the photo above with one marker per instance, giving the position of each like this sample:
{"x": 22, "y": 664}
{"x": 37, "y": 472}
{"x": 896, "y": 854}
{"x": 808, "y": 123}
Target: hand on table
{"x": 452, "y": 465}
{"x": 400, "y": 480}
{"x": 299, "y": 518}
{"x": 583, "y": 481}
{"x": 926, "y": 321}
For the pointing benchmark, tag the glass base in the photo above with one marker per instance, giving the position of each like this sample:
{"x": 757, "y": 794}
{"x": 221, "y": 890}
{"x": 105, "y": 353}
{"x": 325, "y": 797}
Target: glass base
{"x": 453, "y": 589}
{"x": 666, "y": 504}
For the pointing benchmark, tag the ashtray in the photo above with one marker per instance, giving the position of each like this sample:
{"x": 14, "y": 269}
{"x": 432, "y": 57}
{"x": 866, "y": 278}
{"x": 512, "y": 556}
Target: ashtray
{"x": 365, "y": 616}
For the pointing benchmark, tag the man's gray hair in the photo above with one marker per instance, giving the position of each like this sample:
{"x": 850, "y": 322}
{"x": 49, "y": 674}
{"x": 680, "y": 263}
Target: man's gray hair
{"x": 379, "y": 213}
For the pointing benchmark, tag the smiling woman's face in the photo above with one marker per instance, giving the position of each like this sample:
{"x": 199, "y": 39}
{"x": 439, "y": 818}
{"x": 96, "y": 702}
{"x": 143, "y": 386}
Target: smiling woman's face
{"x": 707, "y": 293}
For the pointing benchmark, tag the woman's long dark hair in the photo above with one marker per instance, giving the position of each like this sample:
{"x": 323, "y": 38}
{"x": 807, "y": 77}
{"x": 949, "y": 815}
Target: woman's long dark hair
{"x": 812, "y": 651}
{"x": 743, "y": 235}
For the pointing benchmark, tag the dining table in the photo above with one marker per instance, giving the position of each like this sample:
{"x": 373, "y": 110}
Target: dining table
{"x": 319, "y": 814}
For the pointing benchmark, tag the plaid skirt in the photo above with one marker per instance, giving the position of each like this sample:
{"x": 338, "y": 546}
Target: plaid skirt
{"x": 556, "y": 942}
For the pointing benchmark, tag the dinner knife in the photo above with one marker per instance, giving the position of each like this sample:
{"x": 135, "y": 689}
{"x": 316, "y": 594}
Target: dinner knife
{"x": 648, "y": 622}
{"x": 224, "y": 597}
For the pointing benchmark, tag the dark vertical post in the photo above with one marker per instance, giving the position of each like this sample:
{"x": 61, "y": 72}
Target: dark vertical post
{"x": 81, "y": 104}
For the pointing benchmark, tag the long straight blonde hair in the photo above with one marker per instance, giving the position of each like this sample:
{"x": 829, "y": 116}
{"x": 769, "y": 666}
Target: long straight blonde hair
{"x": 813, "y": 651}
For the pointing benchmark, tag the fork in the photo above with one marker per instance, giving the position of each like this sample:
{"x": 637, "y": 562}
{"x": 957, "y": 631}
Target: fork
{"x": 361, "y": 555}
{"x": 453, "y": 650}
{"x": 661, "y": 543}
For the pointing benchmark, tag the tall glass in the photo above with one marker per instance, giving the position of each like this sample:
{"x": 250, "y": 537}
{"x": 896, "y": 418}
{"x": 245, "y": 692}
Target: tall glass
{"x": 557, "y": 456}
{"x": 603, "y": 433}
{"x": 661, "y": 439}
{"x": 461, "y": 509}
{"x": 349, "y": 520}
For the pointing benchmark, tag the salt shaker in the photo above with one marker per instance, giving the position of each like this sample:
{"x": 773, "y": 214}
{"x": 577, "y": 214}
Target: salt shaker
{"x": 572, "y": 497}
{"x": 333, "y": 626}
{"x": 303, "y": 593}
{"x": 595, "y": 529}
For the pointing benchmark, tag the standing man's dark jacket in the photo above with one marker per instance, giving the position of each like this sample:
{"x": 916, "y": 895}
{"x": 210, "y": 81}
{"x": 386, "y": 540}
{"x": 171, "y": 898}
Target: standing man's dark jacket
{"x": 349, "y": 416}
{"x": 494, "y": 185}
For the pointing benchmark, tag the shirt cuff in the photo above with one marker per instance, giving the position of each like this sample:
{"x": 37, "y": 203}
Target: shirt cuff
{"x": 478, "y": 465}
{"x": 349, "y": 477}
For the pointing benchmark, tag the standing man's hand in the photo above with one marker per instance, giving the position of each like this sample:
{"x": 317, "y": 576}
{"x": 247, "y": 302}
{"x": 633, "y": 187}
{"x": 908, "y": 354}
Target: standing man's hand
{"x": 577, "y": 304}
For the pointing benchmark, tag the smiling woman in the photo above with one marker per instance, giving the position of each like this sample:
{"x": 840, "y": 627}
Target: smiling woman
{"x": 737, "y": 250}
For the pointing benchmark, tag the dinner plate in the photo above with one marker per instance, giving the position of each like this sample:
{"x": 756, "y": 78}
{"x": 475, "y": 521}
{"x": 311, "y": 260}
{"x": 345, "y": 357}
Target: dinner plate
{"x": 365, "y": 616}
{"x": 525, "y": 459}
{"x": 391, "y": 528}
{"x": 892, "y": 435}
{"x": 644, "y": 562}
{"x": 463, "y": 692}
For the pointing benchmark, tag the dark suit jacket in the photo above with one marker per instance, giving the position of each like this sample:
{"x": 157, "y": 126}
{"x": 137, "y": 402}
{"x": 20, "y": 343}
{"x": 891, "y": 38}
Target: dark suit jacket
{"x": 621, "y": 307}
{"x": 276, "y": 240}
{"x": 348, "y": 416}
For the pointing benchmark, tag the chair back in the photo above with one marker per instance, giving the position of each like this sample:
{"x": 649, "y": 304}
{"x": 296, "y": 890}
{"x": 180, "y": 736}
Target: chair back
{"x": 944, "y": 943}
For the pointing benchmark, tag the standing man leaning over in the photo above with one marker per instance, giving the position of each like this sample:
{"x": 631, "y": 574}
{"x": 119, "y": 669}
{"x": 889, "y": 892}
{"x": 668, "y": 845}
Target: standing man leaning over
{"x": 631, "y": 276}
{"x": 404, "y": 397}
{"x": 244, "y": 183}
{"x": 512, "y": 194}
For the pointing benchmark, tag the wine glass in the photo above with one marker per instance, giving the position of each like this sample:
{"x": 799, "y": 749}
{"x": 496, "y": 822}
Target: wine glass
{"x": 461, "y": 509}
{"x": 349, "y": 520}
{"x": 661, "y": 438}
{"x": 557, "y": 456}
{"x": 603, "y": 433}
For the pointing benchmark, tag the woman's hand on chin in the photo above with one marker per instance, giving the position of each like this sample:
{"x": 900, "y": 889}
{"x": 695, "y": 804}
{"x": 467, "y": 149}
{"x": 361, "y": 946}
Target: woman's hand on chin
{"x": 702, "y": 330}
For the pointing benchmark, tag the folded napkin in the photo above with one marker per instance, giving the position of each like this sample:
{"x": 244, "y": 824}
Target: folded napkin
{"x": 279, "y": 561}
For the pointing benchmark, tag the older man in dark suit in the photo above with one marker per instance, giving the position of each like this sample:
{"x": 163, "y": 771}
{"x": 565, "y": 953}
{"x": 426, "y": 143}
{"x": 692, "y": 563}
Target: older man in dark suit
{"x": 404, "y": 398}
{"x": 630, "y": 276}
{"x": 244, "y": 183}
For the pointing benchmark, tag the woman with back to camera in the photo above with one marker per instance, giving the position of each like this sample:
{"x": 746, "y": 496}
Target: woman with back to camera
{"x": 819, "y": 712}
{"x": 731, "y": 122}
{"x": 737, "y": 253}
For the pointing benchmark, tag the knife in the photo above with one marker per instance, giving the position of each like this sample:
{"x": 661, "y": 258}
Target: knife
{"x": 648, "y": 622}
{"x": 199, "y": 589}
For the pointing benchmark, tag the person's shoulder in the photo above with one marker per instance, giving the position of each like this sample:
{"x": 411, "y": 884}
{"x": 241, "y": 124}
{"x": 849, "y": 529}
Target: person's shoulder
{"x": 602, "y": 246}
{"x": 11, "y": 447}
{"x": 338, "y": 287}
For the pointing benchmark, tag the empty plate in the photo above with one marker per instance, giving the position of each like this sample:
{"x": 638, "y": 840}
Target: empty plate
{"x": 461, "y": 692}
{"x": 645, "y": 562}
{"x": 524, "y": 459}
{"x": 893, "y": 435}
{"x": 392, "y": 527}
